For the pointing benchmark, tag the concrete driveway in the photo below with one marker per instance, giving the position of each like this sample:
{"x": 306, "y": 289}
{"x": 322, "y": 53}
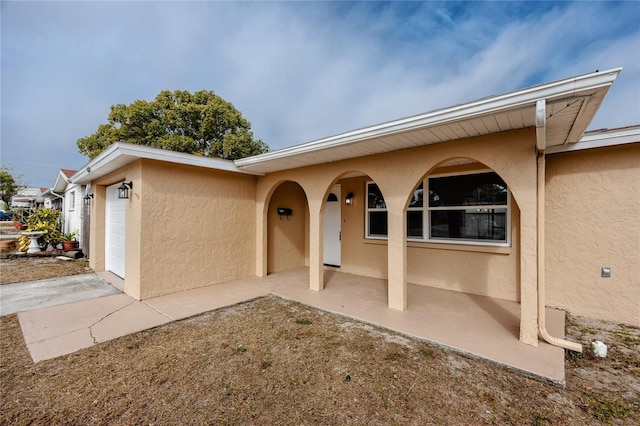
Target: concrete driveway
{"x": 29, "y": 295}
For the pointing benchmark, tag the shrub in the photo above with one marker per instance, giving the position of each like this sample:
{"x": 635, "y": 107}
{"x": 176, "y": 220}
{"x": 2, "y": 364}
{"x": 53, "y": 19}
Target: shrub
{"x": 47, "y": 220}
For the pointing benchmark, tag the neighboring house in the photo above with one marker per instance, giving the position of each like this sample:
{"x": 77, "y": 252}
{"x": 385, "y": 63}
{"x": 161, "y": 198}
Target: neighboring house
{"x": 68, "y": 198}
{"x": 504, "y": 197}
{"x": 28, "y": 198}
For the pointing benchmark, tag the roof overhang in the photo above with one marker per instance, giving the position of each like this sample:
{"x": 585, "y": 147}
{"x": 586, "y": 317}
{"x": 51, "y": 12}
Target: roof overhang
{"x": 600, "y": 139}
{"x": 570, "y": 106}
{"x": 61, "y": 182}
{"x": 51, "y": 194}
{"x": 121, "y": 154}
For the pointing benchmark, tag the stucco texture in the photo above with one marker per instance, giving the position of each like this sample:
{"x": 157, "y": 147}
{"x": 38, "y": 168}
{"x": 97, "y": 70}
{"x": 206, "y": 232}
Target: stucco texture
{"x": 593, "y": 220}
{"x": 198, "y": 227}
{"x": 187, "y": 227}
{"x": 287, "y": 235}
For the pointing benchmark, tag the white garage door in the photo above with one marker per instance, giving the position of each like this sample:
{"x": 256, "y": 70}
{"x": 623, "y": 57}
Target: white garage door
{"x": 115, "y": 228}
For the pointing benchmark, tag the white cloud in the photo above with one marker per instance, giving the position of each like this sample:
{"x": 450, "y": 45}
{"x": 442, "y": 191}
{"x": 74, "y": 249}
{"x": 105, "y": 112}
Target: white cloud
{"x": 297, "y": 71}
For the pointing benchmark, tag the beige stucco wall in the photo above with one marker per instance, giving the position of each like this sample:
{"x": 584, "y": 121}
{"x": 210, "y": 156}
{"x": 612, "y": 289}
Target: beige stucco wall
{"x": 198, "y": 227}
{"x": 187, "y": 227}
{"x": 287, "y": 236}
{"x": 593, "y": 220}
{"x": 359, "y": 256}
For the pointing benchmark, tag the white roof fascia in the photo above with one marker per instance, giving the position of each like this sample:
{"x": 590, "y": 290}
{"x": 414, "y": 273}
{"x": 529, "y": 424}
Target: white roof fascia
{"x": 105, "y": 157}
{"x": 61, "y": 182}
{"x": 150, "y": 153}
{"x": 129, "y": 153}
{"x": 600, "y": 139}
{"x": 556, "y": 90}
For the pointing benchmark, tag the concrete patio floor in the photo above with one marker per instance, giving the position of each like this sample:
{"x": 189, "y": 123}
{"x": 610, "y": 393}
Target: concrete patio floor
{"x": 476, "y": 326}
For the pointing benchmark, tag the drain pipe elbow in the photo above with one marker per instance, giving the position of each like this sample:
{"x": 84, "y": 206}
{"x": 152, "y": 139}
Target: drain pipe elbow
{"x": 57, "y": 195}
{"x": 541, "y": 145}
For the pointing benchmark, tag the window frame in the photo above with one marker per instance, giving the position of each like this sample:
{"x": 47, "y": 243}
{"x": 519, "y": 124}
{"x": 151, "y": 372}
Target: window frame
{"x": 426, "y": 215}
{"x": 427, "y": 209}
{"x": 369, "y": 210}
{"x": 72, "y": 202}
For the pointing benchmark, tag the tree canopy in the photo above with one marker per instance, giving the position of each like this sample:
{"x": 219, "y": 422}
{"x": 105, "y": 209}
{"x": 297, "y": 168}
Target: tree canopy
{"x": 201, "y": 123}
{"x": 8, "y": 186}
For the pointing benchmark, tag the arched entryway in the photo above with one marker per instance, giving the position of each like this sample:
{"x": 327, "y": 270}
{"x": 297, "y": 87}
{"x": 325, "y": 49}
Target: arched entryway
{"x": 287, "y": 228}
{"x": 346, "y": 218}
{"x": 462, "y": 231}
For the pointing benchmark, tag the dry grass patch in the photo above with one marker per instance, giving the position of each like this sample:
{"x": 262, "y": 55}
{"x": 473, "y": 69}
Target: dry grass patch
{"x": 277, "y": 362}
{"x": 18, "y": 269}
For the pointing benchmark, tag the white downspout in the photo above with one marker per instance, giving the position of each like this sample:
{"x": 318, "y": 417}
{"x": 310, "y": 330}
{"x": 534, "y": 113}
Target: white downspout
{"x": 62, "y": 198}
{"x": 57, "y": 195}
{"x": 541, "y": 145}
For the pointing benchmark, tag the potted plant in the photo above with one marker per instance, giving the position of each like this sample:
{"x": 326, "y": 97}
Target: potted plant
{"x": 69, "y": 241}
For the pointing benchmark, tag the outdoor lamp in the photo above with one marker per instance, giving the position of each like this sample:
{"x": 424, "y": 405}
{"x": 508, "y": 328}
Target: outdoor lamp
{"x": 87, "y": 199}
{"x": 123, "y": 190}
{"x": 348, "y": 199}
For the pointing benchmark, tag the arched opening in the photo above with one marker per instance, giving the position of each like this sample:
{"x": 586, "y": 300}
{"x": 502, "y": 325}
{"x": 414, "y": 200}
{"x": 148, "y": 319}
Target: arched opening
{"x": 287, "y": 228}
{"x": 359, "y": 218}
{"x": 463, "y": 231}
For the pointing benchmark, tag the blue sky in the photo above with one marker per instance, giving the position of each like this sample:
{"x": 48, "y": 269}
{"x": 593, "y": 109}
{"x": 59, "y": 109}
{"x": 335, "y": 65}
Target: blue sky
{"x": 298, "y": 71}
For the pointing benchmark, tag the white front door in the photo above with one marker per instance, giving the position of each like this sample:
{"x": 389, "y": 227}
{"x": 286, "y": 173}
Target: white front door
{"x": 332, "y": 228}
{"x": 115, "y": 232}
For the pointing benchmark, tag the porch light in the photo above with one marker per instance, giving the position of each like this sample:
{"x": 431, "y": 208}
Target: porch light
{"x": 87, "y": 199}
{"x": 348, "y": 199}
{"x": 123, "y": 190}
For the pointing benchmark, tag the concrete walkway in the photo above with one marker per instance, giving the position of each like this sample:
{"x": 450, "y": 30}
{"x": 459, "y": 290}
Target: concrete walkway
{"x": 476, "y": 326}
{"x": 29, "y": 295}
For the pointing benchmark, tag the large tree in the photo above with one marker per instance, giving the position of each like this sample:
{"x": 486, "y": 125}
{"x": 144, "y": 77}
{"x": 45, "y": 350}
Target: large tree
{"x": 8, "y": 186}
{"x": 201, "y": 123}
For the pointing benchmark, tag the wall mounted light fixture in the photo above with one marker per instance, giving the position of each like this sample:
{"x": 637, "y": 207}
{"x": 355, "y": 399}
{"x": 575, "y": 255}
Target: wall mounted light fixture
{"x": 123, "y": 190}
{"x": 284, "y": 211}
{"x": 348, "y": 200}
{"x": 87, "y": 199}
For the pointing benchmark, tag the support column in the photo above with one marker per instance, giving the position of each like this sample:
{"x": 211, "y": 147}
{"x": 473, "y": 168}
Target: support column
{"x": 261, "y": 240}
{"x": 316, "y": 241}
{"x": 397, "y": 257}
{"x": 528, "y": 275}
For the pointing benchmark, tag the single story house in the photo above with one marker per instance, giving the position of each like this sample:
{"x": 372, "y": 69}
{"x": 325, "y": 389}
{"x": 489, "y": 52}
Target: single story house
{"x": 68, "y": 198}
{"x": 521, "y": 205}
{"x": 28, "y": 198}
